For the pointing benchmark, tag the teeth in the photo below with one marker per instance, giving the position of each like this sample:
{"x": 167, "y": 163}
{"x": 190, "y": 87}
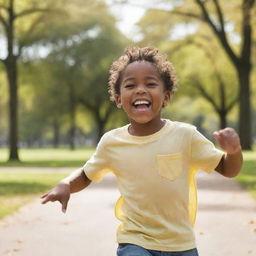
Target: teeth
{"x": 140, "y": 102}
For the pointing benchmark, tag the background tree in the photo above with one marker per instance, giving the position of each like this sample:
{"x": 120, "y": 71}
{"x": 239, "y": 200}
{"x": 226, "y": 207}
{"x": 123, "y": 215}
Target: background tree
{"x": 213, "y": 15}
{"x": 216, "y": 87}
{"x": 93, "y": 95}
{"x": 202, "y": 69}
{"x": 32, "y": 23}
{"x": 226, "y": 20}
{"x": 17, "y": 37}
{"x": 75, "y": 73}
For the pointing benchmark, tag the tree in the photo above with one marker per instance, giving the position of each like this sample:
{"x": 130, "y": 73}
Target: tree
{"x": 241, "y": 61}
{"x": 211, "y": 80}
{"x": 78, "y": 68}
{"x": 220, "y": 99}
{"x": 39, "y": 22}
{"x": 93, "y": 95}
{"x": 219, "y": 18}
{"x": 17, "y": 37}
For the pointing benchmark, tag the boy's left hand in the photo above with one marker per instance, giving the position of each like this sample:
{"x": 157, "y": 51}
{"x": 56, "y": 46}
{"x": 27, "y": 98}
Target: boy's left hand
{"x": 228, "y": 139}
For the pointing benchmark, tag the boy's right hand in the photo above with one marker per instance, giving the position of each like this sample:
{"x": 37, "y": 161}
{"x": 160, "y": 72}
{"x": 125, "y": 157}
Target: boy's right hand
{"x": 61, "y": 193}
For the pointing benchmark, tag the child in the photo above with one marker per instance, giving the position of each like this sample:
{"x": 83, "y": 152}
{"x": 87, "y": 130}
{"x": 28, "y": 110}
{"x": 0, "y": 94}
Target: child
{"x": 154, "y": 160}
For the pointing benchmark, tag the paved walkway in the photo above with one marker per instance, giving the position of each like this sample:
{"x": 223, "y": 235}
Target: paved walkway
{"x": 226, "y": 223}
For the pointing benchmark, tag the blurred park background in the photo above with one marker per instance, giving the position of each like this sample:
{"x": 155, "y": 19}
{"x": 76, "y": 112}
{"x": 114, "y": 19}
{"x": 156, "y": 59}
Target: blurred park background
{"x": 54, "y": 62}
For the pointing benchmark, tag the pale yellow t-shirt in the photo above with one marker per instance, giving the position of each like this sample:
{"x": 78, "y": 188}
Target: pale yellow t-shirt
{"x": 155, "y": 177}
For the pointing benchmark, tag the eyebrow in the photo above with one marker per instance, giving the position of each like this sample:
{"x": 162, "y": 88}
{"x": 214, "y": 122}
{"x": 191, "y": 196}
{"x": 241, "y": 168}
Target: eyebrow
{"x": 147, "y": 77}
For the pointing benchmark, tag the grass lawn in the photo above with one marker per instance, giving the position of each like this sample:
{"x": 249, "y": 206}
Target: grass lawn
{"x": 18, "y": 188}
{"x": 48, "y": 157}
{"x": 247, "y": 176}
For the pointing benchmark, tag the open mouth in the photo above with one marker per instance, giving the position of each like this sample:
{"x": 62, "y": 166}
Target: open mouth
{"x": 141, "y": 104}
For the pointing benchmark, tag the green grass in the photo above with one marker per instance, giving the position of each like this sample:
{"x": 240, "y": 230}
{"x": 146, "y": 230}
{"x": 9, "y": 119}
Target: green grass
{"x": 247, "y": 176}
{"x": 47, "y": 157}
{"x": 18, "y": 188}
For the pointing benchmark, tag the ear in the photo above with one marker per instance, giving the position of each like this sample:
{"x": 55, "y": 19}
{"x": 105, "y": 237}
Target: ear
{"x": 118, "y": 100}
{"x": 167, "y": 97}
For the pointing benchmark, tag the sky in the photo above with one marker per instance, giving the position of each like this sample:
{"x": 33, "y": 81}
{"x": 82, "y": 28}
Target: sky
{"x": 127, "y": 16}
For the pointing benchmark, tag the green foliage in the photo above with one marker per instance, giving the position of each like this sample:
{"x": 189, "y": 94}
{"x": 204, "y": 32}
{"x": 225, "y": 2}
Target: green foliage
{"x": 80, "y": 53}
{"x": 203, "y": 68}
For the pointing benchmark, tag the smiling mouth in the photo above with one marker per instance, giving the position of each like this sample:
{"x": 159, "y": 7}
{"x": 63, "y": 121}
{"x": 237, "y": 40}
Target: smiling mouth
{"x": 141, "y": 104}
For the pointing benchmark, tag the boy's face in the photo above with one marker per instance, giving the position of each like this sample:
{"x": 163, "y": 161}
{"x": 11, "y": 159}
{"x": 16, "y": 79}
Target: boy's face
{"x": 142, "y": 92}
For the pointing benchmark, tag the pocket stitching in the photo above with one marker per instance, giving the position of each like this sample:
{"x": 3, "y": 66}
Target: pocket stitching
{"x": 166, "y": 173}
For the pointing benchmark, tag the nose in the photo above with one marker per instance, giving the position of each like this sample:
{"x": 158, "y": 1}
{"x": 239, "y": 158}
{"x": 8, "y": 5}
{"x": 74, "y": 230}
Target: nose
{"x": 141, "y": 89}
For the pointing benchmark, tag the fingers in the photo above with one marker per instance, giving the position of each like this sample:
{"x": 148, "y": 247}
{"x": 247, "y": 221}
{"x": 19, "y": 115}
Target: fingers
{"x": 48, "y": 197}
{"x": 64, "y": 206}
{"x": 228, "y": 139}
{"x": 216, "y": 134}
{"x": 225, "y": 133}
{"x": 43, "y": 196}
{"x": 52, "y": 197}
{"x": 61, "y": 193}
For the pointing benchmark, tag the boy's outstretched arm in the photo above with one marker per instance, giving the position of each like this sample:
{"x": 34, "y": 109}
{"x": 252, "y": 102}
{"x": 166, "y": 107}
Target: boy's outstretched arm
{"x": 75, "y": 182}
{"x": 230, "y": 164}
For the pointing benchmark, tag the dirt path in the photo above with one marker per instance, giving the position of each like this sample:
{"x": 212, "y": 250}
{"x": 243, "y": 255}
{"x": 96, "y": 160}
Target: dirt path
{"x": 226, "y": 223}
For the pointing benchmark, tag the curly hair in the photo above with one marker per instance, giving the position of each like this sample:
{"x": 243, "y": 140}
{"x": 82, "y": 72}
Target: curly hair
{"x": 134, "y": 53}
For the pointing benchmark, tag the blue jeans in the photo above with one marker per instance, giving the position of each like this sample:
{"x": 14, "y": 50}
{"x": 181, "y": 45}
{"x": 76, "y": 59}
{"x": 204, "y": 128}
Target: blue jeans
{"x": 135, "y": 250}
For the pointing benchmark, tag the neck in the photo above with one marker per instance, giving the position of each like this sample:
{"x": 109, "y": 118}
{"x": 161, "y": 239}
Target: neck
{"x": 138, "y": 129}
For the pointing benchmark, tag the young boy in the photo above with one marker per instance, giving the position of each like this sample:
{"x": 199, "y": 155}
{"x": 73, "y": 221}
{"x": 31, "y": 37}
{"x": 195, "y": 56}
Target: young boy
{"x": 154, "y": 160}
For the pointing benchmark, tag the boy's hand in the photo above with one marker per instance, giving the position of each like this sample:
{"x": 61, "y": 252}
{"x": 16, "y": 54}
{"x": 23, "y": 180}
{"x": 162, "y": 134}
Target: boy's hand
{"x": 60, "y": 193}
{"x": 228, "y": 139}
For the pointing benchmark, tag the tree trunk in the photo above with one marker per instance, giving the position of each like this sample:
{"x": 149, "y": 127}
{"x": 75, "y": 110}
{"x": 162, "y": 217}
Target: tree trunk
{"x": 242, "y": 63}
{"x": 72, "y": 133}
{"x": 100, "y": 122}
{"x": 100, "y": 129}
{"x": 223, "y": 119}
{"x": 72, "y": 114}
{"x": 56, "y": 134}
{"x": 11, "y": 70}
{"x": 245, "y": 107}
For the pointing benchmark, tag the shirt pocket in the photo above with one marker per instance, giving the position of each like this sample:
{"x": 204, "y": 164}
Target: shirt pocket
{"x": 169, "y": 166}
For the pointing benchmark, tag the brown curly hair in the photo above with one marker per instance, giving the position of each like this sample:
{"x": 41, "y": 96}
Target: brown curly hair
{"x": 134, "y": 53}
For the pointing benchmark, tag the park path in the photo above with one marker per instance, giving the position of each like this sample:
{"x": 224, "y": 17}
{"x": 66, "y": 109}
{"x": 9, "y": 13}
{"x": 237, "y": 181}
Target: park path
{"x": 226, "y": 222}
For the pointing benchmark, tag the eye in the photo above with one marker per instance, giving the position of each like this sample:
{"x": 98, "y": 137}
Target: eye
{"x": 152, "y": 84}
{"x": 129, "y": 86}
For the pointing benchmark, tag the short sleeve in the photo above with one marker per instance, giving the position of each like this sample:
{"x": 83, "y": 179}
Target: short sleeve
{"x": 204, "y": 155}
{"x": 98, "y": 164}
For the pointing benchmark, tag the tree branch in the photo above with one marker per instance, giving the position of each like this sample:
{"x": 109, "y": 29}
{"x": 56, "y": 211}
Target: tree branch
{"x": 221, "y": 35}
{"x": 30, "y": 31}
{"x": 31, "y": 11}
{"x": 206, "y": 95}
{"x": 231, "y": 104}
{"x": 3, "y": 21}
{"x": 188, "y": 14}
{"x": 220, "y": 14}
{"x": 206, "y": 16}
